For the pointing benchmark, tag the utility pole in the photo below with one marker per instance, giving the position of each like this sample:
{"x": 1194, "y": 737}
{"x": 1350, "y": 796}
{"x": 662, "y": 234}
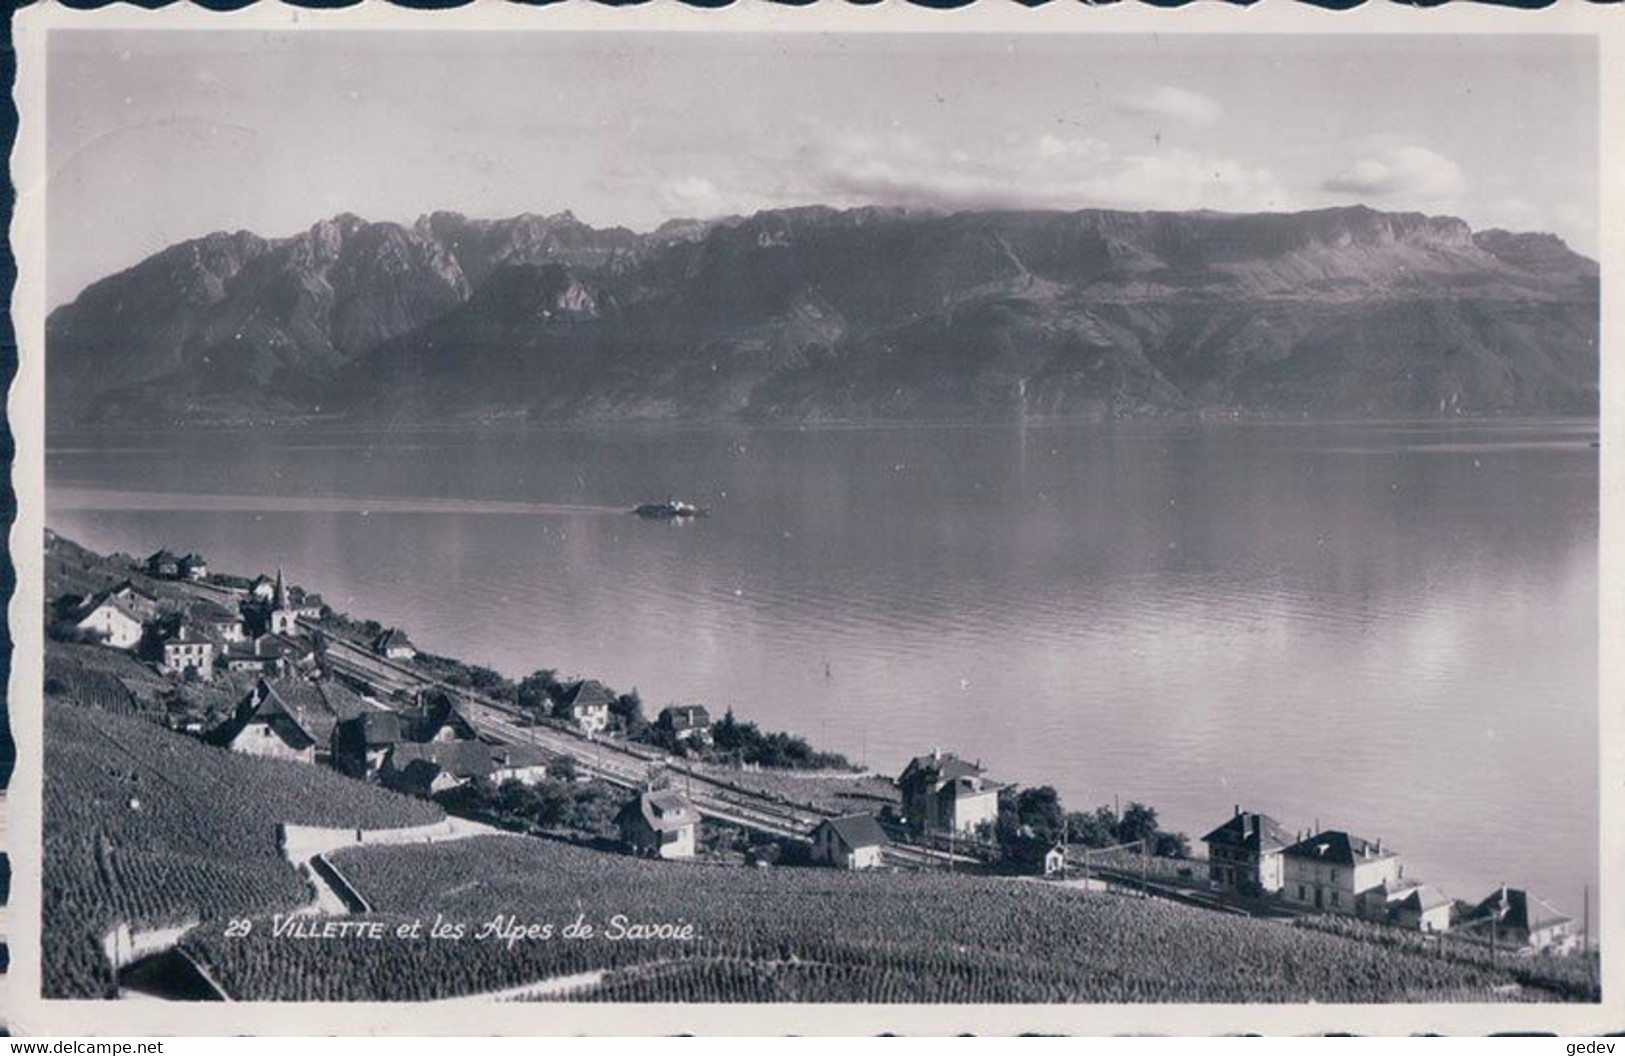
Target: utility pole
{"x": 1585, "y": 934}
{"x": 1066, "y": 833}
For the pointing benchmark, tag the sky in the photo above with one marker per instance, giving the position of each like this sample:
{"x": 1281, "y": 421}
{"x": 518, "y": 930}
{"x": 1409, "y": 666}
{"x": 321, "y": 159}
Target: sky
{"x": 155, "y": 137}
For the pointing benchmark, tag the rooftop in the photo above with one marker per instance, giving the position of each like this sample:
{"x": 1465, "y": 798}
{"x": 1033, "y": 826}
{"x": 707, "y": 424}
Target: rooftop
{"x": 1336, "y": 847}
{"x": 1250, "y": 831}
{"x": 858, "y": 830}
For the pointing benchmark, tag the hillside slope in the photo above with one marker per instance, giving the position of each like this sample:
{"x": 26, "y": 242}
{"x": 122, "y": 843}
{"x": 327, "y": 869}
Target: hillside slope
{"x": 813, "y": 935}
{"x": 147, "y": 827}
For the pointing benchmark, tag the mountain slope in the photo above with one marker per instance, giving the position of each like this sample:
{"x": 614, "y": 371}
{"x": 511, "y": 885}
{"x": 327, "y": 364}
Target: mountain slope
{"x": 818, "y": 314}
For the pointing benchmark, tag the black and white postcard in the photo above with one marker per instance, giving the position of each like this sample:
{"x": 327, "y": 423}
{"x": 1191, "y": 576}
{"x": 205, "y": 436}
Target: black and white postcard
{"x": 816, "y": 520}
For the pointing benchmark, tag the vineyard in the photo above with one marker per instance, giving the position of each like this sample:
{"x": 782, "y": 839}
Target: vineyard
{"x": 148, "y": 827}
{"x": 1577, "y": 977}
{"x": 811, "y": 935}
{"x": 832, "y": 792}
{"x": 67, "y": 677}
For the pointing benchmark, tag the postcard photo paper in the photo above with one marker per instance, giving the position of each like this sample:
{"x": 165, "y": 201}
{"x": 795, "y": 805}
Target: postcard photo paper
{"x": 810, "y": 522}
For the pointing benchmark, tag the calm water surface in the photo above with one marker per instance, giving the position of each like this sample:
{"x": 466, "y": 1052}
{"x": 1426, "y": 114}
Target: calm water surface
{"x": 1390, "y": 628}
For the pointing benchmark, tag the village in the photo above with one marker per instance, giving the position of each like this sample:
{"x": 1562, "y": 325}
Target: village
{"x": 375, "y": 710}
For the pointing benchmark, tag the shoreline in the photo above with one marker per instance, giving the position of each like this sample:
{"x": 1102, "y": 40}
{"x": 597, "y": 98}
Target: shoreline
{"x": 710, "y": 768}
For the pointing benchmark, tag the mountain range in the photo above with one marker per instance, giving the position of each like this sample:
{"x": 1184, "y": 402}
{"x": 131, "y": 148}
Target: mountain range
{"x": 816, "y": 314}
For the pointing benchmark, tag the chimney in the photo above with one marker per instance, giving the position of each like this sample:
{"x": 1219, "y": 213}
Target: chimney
{"x": 1238, "y": 810}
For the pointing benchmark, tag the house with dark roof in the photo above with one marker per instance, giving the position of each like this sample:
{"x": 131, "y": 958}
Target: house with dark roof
{"x": 306, "y": 606}
{"x": 1330, "y": 870}
{"x": 187, "y": 653}
{"x": 944, "y": 793}
{"x": 265, "y": 725}
{"x": 163, "y": 565}
{"x": 855, "y": 841}
{"x": 262, "y": 588}
{"x": 438, "y": 766}
{"x": 192, "y": 567}
{"x": 686, "y": 722}
{"x": 362, "y": 743}
{"x": 292, "y": 719}
{"x": 587, "y": 705}
{"x": 274, "y": 655}
{"x": 138, "y": 601}
{"x": 659, "y": 825}
{"x": 116, "y": 622}
{"x": 215, "y": 621}
{"x": 436, "y": 717}
{"x": 1523, "y": 921}
{"x": 1408, "y": 904}
{"x": 1245, "y": 854}
{"x": 393, "y": 644}
{"x": 524, "y": 763}
{"x": 424, "y": 769}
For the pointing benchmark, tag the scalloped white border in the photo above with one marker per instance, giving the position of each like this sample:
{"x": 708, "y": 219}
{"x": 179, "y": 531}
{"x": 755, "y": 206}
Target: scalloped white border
{"x": 26, "y": 1013}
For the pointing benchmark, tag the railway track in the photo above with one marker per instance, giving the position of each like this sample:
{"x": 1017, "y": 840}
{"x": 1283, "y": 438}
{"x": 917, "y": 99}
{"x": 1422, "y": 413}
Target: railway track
{"x": 601, "y": 758}
{"x": 619, "y": 765}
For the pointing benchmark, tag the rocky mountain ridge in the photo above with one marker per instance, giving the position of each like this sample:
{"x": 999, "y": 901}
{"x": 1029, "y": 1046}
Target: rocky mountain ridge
{"x": 818, "y": 314}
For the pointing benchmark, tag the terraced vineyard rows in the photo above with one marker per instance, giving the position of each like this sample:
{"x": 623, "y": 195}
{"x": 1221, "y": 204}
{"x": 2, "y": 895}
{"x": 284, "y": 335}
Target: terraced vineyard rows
{"x": 148, "y": 827}
{"x": 67, "y": 677}
{"x": 809, "y": 935}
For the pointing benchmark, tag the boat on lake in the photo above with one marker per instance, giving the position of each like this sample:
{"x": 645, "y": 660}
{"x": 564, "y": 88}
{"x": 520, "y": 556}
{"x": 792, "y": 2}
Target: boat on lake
{"x": 670, "y": 510}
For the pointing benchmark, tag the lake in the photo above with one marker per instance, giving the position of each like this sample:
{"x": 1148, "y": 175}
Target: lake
{"x": 1386, "y": 627}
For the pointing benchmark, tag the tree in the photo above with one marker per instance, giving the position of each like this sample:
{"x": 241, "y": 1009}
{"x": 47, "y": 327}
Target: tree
{"x": 627, "y": 710}
{"x": 538, "y": 690}
{"x": 1172, "y": 845}
{"x": 1139, "y": 822}
{"x": 1039, "y": 810}
{"x": 1096, "y": 829}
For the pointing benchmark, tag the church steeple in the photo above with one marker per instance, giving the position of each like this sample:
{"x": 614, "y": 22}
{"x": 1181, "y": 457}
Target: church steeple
{"x": 280, "y": 598}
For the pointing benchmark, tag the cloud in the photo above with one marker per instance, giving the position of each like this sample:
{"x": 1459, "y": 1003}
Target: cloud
{"x": 1053, "y": 146}
{"x": 690, "y": 196}
{"x": 1045, "y": 172}
{"x": 1407, "y": 172}
{"x": 1177, "y": 104}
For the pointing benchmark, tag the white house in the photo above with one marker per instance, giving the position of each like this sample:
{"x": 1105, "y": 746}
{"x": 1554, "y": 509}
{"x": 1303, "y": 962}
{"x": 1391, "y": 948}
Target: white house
{"x": 853, "y": 842}
{"x": 1245, "y": 854}
{"x": 112, "y": 620}
{"x": 1330, "y": 870}
{"x": 660, "y": 825}
{"x": 587, "y": 705}
{"x": 518, "y": 762}
{"x": 944, "y": 793}
{"x": 1406, "y": 904}
{"x": 1525, "y": 921}
{"x": 187, "y": 651}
